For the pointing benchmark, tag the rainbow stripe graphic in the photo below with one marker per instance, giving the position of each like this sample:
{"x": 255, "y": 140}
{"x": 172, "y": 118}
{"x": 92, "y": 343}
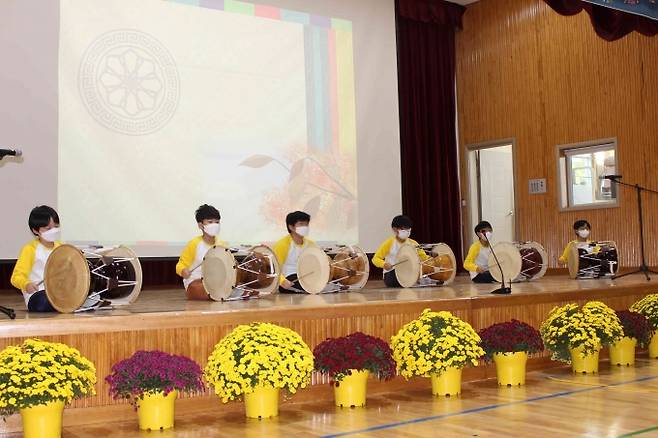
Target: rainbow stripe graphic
{"x": 330, "y": 96}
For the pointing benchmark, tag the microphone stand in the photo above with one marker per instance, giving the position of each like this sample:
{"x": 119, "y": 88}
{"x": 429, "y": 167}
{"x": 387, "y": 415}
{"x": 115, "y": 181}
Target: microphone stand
{"x": 9, "y": 312}
{"x": 502, "y": 290}
{"x": 643, "y": 268}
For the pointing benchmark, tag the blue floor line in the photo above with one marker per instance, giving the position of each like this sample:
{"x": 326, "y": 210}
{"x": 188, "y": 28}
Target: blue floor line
{"x": 487, "y": 408}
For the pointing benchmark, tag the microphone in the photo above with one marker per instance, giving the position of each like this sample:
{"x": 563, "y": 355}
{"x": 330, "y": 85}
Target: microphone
{"x": 10, "y": 153}
{"x": 611, "y": 177}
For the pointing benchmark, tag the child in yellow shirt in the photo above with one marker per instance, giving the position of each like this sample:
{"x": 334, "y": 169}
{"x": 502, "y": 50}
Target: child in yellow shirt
{"x": 189, "y": 263}
{"x": 386, "y": 255}
{"x": 28, "y": 274}
{"x": 288, "y": 249}
{"x": 582, "y": 228}
{"x": 477, "y": 259}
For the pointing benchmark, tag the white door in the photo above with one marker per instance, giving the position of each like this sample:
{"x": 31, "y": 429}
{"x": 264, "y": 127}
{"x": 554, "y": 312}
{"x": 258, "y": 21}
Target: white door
{"x": 492, "y": 193}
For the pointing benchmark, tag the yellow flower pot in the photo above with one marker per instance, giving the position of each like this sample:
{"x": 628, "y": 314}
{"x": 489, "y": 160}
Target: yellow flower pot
{"x": 156, "y": 412}
{"x": 622, "y": 352}
{"x": 510, "y": 368}
{"x": 351, "y": 391}
{"x": 43, "y": 421}
{"x": 262, "y": 403}
{"x": 653, "y": 346}
{"x": 585, "y": 365}
{"x": 447, "y": 383}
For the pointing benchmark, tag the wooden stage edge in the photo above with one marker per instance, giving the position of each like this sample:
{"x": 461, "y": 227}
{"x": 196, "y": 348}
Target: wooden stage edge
{"x": 164, "y": 320}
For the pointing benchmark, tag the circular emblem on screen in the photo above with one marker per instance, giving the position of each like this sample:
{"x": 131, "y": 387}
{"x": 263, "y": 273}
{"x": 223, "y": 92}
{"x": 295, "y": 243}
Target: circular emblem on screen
{"x": 129, "y": 82}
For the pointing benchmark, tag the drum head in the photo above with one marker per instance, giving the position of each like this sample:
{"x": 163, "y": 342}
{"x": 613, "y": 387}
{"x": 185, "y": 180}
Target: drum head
{"x": 443, "y": 258}
{"x": 408, "y": 270}
{"x": 534, "y": 261}
{"x": 127, "y": 295}
{"x": 350, "y": 267}
{"x": 218, "y": 270}
{"x": 510, "y": 261}
{"x": 259, "y": 270}
{"x": 66, "y": 278}
{"x": 574, "y": 261}
{"x": 313, "y": 269}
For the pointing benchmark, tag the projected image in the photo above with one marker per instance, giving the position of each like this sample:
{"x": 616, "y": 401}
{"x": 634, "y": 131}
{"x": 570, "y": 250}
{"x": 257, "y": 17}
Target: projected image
{"x": 168, "y": 105}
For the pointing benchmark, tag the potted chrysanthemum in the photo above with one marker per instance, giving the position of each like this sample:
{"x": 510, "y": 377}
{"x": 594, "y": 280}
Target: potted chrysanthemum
{"x": 151, "y": 380}
{"x": 576, "y": 334}
{"x": 508, "y": 345}
{"x": 256, "y": 361}
{"x": 37, "y": 378}
{"x": 636, "y": 331}
{"x": 436, "y": 345}
{"x": 648, "y": 306}
{"x": 349, "y": 360}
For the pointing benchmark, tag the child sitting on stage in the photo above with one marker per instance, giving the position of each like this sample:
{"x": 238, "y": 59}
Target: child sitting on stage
{"x": 477, "y": 259}
{"x": 288, "y": 249}
{"x": 189, "y": 263}
{"x": 582, "y": 228}
{"x": 386, "y": 255}
{"x": 30, "y": 266}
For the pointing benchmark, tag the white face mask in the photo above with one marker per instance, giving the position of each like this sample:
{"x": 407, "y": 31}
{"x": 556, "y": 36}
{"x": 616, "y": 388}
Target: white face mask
{"x": 404, "y": 234}
{"x": 488, "y": 235}
{"x": 583, "y": 233}
{"x": 51, "y": 235}
{"x": 302, "y": 231}
{"x": 211, "y": 229}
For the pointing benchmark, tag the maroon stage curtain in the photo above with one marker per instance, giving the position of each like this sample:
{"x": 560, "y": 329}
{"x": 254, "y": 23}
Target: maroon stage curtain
{"x": 610, "y": 24}
{"x": 426, "y": 81}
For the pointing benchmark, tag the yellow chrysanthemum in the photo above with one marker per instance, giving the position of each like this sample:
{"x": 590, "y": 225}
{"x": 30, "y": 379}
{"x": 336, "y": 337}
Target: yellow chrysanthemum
{"x": 433, "y": 342}
{"x": 259, "y": 354}
{"x": 37, "y": 372}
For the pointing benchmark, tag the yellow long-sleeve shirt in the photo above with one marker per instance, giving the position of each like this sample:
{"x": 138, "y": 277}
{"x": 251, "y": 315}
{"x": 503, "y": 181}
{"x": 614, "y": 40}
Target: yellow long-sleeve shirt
{"x": 188, "y": 255}
{"x": 473, "y": 253}
{"x": 379, "y": 258}
{"x": 564, "y": 258}
{"x": 281, "y": 249}
{"x": 20, "y": 277}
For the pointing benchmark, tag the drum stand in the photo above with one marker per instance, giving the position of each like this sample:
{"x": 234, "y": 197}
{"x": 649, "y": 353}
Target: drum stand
{"x": 9, "y": 312}
{"x": 643, "y": 268}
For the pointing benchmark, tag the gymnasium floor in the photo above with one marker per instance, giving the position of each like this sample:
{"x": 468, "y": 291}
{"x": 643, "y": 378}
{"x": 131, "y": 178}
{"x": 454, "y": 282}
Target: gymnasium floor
{"x": 619, "y": 402}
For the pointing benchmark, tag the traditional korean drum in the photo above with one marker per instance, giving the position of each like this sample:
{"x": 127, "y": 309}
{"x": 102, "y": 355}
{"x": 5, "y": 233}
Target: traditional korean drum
{"x": 438, "y": 269}
{"x": 593, "y": 260}
{"x": 88, "y": 278}
{"x": 248, "y": 273}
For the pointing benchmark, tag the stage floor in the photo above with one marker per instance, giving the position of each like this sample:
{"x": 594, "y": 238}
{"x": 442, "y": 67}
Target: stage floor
{"x": 157, "y": 301}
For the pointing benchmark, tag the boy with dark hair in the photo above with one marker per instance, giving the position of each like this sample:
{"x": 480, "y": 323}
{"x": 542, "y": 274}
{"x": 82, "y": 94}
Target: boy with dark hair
{"x": 582, "y": 228}
{"x": 30, "y": 266}
{"x": 288, "y": 248}
{"x": 189, "y": 263}
{"x": 477, "y": 259}
{"x": 386, "y": 255}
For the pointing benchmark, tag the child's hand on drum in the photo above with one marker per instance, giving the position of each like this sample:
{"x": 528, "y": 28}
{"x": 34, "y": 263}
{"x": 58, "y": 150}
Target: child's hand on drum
{"x": 185, "y": 273}
{"x": 387, "y": 266}
{"x": 31, "y": 288}
{"x": 287, "y": 284}
{"x": 480, "y": 270}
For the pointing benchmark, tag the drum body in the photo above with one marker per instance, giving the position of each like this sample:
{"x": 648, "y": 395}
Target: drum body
{"x": 75, "y": 276}
{"x": 534, "y": 261}
{"x": 593, "y": 260}
{"x": 255, "y": 272}
{"x": 332, "y": 270}
{"x": 442, "y": 265}
{"x": 509, "y": 258}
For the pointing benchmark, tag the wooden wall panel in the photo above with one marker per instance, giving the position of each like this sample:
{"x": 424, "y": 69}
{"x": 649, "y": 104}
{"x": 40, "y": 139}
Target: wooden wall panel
{"x": 528, "y": 73}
